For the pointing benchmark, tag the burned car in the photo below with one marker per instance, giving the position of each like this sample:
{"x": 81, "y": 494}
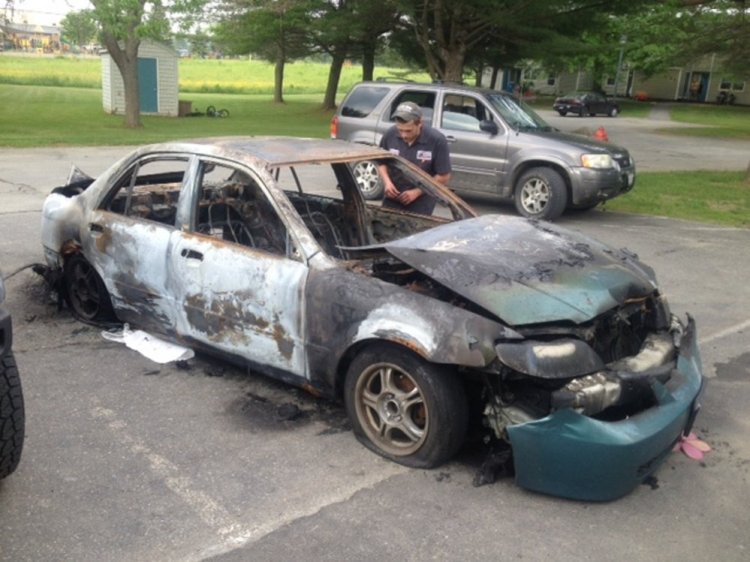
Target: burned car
{"x": 264, "y": 252}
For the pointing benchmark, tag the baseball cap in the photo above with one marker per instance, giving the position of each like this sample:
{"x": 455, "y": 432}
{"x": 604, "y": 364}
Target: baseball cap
{"x": 408, "y": 111}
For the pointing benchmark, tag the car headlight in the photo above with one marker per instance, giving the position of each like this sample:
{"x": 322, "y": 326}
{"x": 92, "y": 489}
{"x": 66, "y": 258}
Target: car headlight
{"x": 598, "y": 161}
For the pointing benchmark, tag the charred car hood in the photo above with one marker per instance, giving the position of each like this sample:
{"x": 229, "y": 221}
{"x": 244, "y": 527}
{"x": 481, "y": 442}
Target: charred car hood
{"x": 526, "y": 272}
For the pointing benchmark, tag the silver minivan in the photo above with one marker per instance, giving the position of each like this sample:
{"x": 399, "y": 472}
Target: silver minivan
{"x": 499, "y": 146}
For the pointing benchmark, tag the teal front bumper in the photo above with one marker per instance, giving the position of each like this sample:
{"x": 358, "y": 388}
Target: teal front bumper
{"x": 574, "y": 456}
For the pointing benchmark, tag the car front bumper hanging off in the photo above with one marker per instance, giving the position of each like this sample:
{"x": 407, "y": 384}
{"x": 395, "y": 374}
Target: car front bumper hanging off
{"x": 575, "y": 456}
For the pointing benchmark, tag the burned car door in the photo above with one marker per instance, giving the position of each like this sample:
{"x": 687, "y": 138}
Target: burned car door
{"x": 234, "y": 273}
{"x": 128, "y": 236}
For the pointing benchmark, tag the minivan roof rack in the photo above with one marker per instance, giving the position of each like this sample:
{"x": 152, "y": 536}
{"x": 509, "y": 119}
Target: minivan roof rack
{"x": 392, "y": 79}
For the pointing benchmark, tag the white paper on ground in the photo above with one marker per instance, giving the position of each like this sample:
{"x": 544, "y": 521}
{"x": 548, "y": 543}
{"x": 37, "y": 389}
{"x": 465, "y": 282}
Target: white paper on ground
{"x": 150, "y": 346}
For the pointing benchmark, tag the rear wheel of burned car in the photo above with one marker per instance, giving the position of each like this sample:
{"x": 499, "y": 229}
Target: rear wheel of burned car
{"x": 368, "y": 179}
{"x": 85, "y": 291}
{"x": 404, "y": 408}
{"x": 541, "y": 194}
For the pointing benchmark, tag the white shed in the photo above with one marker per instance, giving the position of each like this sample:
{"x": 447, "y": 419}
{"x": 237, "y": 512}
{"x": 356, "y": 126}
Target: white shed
{"x": 158, "y": 83}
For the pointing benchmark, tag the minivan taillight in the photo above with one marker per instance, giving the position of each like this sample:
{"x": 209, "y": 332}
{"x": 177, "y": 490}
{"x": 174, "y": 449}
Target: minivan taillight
{"x": 334, "y": 126}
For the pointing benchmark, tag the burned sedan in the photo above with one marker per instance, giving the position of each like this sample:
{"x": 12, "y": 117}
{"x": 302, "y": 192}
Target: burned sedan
{"x": 264, "y": 252}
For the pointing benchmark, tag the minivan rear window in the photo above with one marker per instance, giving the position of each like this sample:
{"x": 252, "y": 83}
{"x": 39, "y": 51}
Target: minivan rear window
{"x": 363, "y": 100}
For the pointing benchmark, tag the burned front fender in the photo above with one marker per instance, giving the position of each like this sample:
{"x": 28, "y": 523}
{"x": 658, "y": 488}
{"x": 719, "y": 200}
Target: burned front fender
{"x": 572, "y": 455}
{"x": 347, "y": 309}
{"x": 62, "y": 218}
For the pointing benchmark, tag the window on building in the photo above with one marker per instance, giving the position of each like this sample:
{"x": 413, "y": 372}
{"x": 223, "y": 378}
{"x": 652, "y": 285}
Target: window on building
{"x": 727, "y": 84}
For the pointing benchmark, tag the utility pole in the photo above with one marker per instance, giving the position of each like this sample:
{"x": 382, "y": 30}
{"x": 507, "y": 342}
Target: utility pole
{"x": 623, "y": 40}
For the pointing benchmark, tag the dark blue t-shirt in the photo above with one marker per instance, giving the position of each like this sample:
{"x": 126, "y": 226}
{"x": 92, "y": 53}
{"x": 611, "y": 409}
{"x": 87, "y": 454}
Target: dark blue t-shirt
{"x": 429, "y": 151}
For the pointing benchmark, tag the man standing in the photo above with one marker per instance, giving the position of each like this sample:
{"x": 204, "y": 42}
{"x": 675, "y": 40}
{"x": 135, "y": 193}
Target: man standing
{"x": 420, "y": 145}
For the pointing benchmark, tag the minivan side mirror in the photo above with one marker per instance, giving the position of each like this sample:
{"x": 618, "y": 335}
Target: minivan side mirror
{"x": 488, "y": 127}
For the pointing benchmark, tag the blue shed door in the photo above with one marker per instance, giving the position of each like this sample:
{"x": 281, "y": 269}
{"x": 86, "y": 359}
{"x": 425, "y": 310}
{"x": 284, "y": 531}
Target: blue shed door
{"x": 147, "y": 85}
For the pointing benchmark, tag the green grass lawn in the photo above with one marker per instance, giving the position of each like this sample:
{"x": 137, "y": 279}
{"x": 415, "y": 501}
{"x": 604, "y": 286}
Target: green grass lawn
{"x": 714, "y": 197}
{"x": 49, "y": 116}
{"x": 221, "y": 76}
{"x": 718, "y": 121}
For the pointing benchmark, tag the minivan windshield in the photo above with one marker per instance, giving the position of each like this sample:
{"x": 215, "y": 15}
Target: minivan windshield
{"x": 517, "y": 114}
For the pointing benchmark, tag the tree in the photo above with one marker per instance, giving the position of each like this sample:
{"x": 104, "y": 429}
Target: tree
{"x": 342, "y": 28}
{"x": 122, "y": 25}
{"x": 78, "y": 28}
{"x": 276, "y": 30}
{"x": 452, "y": 33}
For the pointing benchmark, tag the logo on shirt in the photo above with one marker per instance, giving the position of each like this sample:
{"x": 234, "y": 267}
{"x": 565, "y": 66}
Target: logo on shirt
{"x": 424, "y": 155}
{"x": 394, "y": 151}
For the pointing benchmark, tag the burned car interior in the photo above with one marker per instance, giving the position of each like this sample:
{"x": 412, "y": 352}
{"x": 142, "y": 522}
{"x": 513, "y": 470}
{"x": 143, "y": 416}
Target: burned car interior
{"x": 561, "y": 348}
{"x": 233, "y": 207}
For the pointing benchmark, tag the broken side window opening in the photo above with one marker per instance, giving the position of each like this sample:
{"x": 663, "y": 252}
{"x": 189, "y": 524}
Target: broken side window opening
{"x": 232, "y": 206}
{"x": 149, "y": 189}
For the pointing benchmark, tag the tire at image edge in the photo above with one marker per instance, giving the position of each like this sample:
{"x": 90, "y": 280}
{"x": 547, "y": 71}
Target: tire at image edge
{"x": 12, "y": 416}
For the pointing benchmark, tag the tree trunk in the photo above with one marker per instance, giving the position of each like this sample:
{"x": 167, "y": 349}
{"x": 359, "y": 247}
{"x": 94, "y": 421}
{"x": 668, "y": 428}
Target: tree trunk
{"x": 368, "y": 61}
{"x": 334, "y": 74}
{"x": 478, "y": 74}
{"x": 278, "y": 80}
{"x": 132, "y": 95}
{"x": 126, "y": 59}
{"x": 454, "y": 65}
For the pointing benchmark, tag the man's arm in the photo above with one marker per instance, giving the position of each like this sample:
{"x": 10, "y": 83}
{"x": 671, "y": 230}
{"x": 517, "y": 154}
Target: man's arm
{"x": 390, "y": 190}
{"x": 442, "y": 178}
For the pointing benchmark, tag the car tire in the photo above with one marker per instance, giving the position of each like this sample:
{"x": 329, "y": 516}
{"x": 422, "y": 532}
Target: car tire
{"x": 85, "y": 291}
{"x": 563, "y": 113}
{"x": 405, "y": 409}
{"x": 613, "y": 112}
{"x": 541, "y": 194}
{"x": 368, "y": 179}
{"x": 12, "y": 416}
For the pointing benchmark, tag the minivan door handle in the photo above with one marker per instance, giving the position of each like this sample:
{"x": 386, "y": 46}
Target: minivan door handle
{"x": 450, "y": 138}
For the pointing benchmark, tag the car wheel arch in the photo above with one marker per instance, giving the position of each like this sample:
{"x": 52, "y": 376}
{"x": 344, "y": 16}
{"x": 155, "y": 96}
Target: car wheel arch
{"x": 521, "y": 169}
{"x": 358, "y": 346}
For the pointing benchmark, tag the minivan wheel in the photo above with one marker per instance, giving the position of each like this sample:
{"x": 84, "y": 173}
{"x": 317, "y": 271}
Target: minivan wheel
{"x": 368, "y": 179}
{"x": 613, "y": 112}
{"x": 540, "y": 194}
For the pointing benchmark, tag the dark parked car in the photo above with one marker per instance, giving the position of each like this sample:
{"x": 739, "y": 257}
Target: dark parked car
{"x": 499, "y": 146}
{"x": 586, "y": 103}
{"x": 264, "y": 252}
{"x": 12, "y": 415}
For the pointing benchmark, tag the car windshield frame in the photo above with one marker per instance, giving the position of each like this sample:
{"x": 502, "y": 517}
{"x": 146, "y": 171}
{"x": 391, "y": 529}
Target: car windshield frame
{"x": 517, "y": 114}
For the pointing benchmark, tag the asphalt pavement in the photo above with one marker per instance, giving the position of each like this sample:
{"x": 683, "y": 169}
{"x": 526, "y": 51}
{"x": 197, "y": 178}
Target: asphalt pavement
{"x": 126, "y": 460}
